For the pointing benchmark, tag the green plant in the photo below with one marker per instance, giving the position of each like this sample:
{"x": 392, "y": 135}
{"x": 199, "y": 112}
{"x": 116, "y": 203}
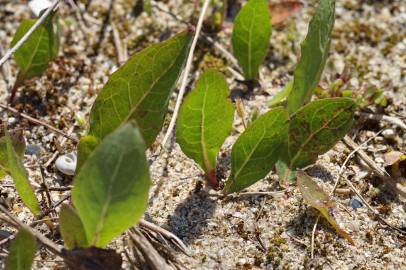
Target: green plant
{"x": 250, "y": 39}
{"x": 110, "y": 189}
{"x": 39, "y": 49}
{"x": 12, "y": 150}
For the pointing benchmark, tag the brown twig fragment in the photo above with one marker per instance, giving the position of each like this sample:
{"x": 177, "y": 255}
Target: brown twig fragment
{"x": 38, "y": 122}
{"x": 186, "y": 73}
{"x": 15, "y": 222}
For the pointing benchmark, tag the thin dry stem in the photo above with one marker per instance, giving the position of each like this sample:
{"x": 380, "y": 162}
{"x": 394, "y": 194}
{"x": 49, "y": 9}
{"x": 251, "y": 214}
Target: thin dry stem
{"x": 29, "y": 33}
{"x": 186, "y": 73}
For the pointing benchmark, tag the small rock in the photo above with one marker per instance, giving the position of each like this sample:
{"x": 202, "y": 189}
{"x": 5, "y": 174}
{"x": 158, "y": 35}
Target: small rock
{"x": 32, "y": 149}
{"x": 66, "y": 164}
{"x": 355, "y": 203}
{"x": 389, "y": 133}
{"x": 11, "y": 120}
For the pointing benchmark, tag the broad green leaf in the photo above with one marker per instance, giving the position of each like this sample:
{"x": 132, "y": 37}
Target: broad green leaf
{"x": 250, "y": 38}
{"x": 85, "y": 147}
{"x": 257, "y": 149}
{"x": 281, "y": 95}
{"x": 314, "y": 53}
{"x": 71, "y": 228}
{"x": 40, "y": 48}
{"x": 205, "y": 121}
{"x": 15, "y": 168}
{"x": 140, "y": 89}
{"x": 314, "y": 196}
{"x": 316, "y": 128}
{"x": 111, "y": 189}
{"x": 22, "y": 252}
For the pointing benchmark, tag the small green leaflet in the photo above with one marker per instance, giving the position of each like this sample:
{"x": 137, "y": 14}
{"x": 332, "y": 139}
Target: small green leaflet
{"x": 71, "y": 227}
{"x": 22, "y": 252}
{"x": 111, "y": 189}
{"x": 316, "y": 128}
{"x": 40, "y": 48}
{"x": 11, "y": 163}
{"x": 257, "y": 149}
{"x": 85, "y": 147}
{"x": 205, "y": 121}
{"x": 314, "y": 53}
{"x": 285, "y": 174}
{"x": 18, "y": 143}
{"x": 278, "y": 99}
{"x": 250, "y": 38}
{"x": 140, "y": 89}
{"x": 317, "y": 198}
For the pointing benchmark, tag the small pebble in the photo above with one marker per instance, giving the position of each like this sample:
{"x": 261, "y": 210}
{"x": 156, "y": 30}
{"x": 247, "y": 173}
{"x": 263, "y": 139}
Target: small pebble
{"x": 389, "y": 133}
{"x": 66, "y": 164}
{"x": 355, "y": 203}
{"x": 32, "y": 149}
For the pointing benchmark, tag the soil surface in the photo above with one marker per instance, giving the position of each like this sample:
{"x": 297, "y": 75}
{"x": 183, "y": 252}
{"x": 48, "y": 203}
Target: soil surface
{"x": 251, "y": 231}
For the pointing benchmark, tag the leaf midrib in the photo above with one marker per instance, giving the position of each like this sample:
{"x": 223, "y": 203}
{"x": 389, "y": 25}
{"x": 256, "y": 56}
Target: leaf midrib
{"x": 100, "y": 224}
{"x": 254, "y": 148}
{"x": 202, "y": 131}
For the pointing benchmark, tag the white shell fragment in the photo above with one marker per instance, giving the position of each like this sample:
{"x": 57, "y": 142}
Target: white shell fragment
{"x": 66, "y": 164}
{"x": 39, "y": 5}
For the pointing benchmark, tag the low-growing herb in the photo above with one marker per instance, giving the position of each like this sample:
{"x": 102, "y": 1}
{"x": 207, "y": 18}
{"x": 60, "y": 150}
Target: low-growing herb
{"x": 314, "y": 53}
{"x": 251, "y": 34}
{"x": 205, "y": 121}
{"x": 111, "y": 188}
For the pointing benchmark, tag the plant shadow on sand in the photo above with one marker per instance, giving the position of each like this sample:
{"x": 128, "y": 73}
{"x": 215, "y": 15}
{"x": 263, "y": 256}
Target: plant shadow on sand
{"x": 191, "y": 216}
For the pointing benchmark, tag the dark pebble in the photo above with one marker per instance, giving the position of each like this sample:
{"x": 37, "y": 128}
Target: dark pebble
{"x": 355, "y": 203}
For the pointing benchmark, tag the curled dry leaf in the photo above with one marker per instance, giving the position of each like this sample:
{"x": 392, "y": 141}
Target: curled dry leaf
{"x": 317, "y": 198}
{"x": 284, "y": 10}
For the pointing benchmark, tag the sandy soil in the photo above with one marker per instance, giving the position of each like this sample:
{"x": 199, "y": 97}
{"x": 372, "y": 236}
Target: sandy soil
{"x": 244, "y": 232}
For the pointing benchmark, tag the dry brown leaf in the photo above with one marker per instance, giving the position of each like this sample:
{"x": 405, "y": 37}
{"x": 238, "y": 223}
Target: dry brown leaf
{"x": 283, "y": 10}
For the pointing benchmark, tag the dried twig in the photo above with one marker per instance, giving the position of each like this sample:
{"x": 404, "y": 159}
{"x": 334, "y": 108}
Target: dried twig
{"x": 380, "y": 117}
{"x": 38, "y": 122}
{"x": 186, "y": 73}
{"x": 235, "y": 71}
{"x": 166, "y": 234}
{"x": 340, "y": 173}
{"x": 15, "y": 222}
{"x": 29, "y": 33}
{"x": 149, "y": 253}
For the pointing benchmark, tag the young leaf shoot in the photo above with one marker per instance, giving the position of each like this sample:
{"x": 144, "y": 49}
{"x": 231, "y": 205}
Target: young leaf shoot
{"x": 205, "y": 121}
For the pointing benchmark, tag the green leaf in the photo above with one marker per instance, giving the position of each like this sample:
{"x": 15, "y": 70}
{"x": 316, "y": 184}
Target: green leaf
{"x": 281, "y": 95}
{"x": 18, "y": 143}
{"x": 85, "y": 147}
{"x": 316, "y": 128}
{"x": 317, "y": 198}
{"x": 22, "y": 252}
{"x": 314, "y": 53}
{"x": 40, "y": 48}
{"x": 250, "y": 38}
{"x": 286, "y": 175}
{"x": 257, "y": 149}
{"x": 14, "y": 167}
{"x": 111, "y": 189}
{"x": 71, "y": 228}
{"x": 141, "y": 89}
{"x": 205, "y": 121}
